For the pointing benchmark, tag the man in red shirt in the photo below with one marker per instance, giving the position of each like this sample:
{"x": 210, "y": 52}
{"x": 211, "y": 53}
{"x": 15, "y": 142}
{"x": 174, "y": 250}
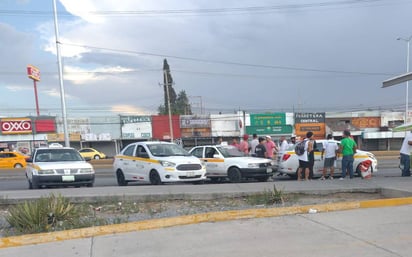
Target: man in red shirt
{"x": 270, "y": 147}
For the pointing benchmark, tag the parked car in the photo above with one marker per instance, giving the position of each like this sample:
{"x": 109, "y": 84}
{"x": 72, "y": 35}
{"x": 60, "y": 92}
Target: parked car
{"x": 58, "y": 166}
{"x": 157, "y": 163}
{"x": 289, "y": 162}
{"x": 226, "y": 161}
{"x": 91, "y": 153}
{"x": 10, "y": 160}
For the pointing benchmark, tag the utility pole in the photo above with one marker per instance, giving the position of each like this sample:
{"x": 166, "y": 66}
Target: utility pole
{"x": 168, "y": 105}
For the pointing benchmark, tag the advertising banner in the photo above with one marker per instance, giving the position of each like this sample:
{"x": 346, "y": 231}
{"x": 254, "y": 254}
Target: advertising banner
{"x": 45, "y": 125}
{"x": 308, "y": 117}
{"x": 367, "y": 122}
{"x": 16, "y": 126}
{"x": 194, "y": 121}
{"x": 33, "y": 72}
{"x": 269, "y": 119}
{"x": 269, "y": 130}
{"x": 196, "y": 132}
{"x": 136, "y": 127}
{"x": 318, "y": 129}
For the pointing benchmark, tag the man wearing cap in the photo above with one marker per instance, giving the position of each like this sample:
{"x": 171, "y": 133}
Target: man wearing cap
{"x": 405, "y": 152}
{"x": 244, "y": 145}
{"x": 270, "y": 147}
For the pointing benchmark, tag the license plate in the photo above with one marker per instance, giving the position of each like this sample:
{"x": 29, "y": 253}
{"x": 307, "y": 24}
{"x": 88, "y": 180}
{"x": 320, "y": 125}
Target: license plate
{"x": 67, "y": 178}
{"x": 190, "y": 174}
{"x": 269, "y": 170}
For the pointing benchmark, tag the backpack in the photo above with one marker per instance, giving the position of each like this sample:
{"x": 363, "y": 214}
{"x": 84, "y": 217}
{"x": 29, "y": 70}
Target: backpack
{"x": 300, "y": 147}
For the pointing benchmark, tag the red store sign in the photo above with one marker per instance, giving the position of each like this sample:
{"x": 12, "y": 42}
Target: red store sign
{"x": 16, "y": 126}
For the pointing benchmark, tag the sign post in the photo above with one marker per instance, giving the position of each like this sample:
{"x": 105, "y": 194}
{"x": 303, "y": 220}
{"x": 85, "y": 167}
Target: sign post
{"x": 34, "y": 74}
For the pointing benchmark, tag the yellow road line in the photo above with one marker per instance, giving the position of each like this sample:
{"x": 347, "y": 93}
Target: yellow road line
{"x": 193, "y": 219}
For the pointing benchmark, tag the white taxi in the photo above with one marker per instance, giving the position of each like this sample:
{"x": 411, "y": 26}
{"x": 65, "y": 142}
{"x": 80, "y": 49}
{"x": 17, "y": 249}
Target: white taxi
{"x": 226, "y": 161}
{"x": 58, "y": 166}
{"x": 157, "y": 163}
{"x": 289, "y": 162}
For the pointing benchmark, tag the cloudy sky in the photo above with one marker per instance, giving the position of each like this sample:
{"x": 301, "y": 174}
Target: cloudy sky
{"x": 257, "y": 56}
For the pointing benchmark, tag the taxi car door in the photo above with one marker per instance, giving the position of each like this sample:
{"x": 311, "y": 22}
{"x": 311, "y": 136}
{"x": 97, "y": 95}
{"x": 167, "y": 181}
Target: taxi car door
{"x": 318, "y": 164}
{"x": 127, "y": 161}
{"x": 215, "y": 164}
{"x": 3, "y": 160}
{"x": 142, "y": 168}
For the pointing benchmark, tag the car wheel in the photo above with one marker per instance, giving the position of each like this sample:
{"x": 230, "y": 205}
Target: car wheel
{"x": 155, "y": 178}
{"x": 18, "y": 166}
{"x": 34, "y": 185}
{"x": 121, "y": 181}
{"x": 96, "y": 157}
{"x": 234, "y": 175}
{"x": 90, "y": 185}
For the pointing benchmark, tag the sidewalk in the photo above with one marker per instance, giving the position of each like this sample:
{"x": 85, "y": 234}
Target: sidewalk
{"x": 68, "y": 241}
{"x": 383, "y": 231}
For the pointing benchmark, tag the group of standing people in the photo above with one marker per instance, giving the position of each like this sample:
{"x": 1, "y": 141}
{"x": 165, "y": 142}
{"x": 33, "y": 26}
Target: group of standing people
{"x": 263, "y": 147}
{"x": 330, "y": 150}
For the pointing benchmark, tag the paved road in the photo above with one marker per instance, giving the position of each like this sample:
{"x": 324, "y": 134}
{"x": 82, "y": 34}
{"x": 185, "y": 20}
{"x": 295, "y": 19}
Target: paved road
{"x": 14, "y": 179}
{"x": 364, "y": 228}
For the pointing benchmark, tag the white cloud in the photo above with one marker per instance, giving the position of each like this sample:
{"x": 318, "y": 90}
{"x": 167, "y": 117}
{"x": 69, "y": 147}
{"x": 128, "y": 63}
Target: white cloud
{"x": 130, "y": 110}
{"x": 80, "y": 76}
{"x": 120, "y": 55}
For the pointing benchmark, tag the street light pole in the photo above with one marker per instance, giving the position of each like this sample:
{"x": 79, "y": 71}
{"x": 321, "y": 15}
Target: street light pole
{"x": 60, "y": 67}
{"x": 408, "y": 41}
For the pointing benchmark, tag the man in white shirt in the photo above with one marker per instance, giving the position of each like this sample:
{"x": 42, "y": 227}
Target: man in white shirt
{"x": 405, "y": 152}
{"x": 283, "y": 146}
{"x": 253, "y": 144}
{"x": 330, "y": 149}
{"x": 304, "y": 164}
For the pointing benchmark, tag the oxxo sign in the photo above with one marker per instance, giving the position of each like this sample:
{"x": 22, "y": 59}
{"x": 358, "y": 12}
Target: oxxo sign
{"x": 16, "y": 126}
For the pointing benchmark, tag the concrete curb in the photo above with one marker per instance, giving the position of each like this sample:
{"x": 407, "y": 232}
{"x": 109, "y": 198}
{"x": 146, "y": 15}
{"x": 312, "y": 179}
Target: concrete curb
{"x": 41, "y": 238}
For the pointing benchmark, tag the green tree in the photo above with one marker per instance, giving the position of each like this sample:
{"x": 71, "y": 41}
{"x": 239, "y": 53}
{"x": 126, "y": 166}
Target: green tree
{"x": 178, "y": 104}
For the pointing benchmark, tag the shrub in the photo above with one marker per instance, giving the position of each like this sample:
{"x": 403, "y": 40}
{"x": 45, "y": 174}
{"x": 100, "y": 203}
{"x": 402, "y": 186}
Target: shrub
{"x": 42, "y": 215}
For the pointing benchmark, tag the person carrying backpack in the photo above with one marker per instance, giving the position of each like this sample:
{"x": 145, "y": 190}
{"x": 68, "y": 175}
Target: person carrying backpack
{"x": 304, "y": 163}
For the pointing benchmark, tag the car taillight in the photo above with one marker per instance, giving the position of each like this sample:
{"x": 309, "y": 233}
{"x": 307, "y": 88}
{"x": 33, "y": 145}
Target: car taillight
{"x": 285, "y": 157}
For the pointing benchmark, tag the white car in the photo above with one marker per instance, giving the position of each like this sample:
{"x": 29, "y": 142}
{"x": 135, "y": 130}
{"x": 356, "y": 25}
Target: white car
{"x": 225, "y": 161}
{"x": 157, "y": 163}
{"x": 58, "y": 166}
{"x": 289, "y": 162}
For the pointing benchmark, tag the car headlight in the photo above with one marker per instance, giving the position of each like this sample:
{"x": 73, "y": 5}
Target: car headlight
{"x": 253, "y": 165}
{"x": 45, "y": 172}
{"x": 86, "y": 170}
{"x": 167, "y": 164}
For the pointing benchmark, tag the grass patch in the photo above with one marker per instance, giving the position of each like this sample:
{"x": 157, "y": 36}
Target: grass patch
{"x": 268, "y": 197}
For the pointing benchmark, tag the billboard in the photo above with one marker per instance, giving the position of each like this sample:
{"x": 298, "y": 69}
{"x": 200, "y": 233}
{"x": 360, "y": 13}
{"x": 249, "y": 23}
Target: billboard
{"x": 16, "y": 126}
{"x": 33, "y": 73}
{"x": 136, "y": 127}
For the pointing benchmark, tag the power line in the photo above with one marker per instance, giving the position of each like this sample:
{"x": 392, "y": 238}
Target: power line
{"x": 228, "y": 62}
{"x": 227, "y": 10}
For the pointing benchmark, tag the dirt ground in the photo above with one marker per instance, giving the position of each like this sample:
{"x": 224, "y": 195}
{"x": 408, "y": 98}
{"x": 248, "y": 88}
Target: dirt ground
{"x": 122, "y": 212}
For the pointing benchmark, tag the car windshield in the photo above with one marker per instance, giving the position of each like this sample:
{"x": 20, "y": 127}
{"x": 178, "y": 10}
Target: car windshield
{"x": 57, "y": 155}
{"x": 167, "y": 150}
{"x": 230, "y": 151}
